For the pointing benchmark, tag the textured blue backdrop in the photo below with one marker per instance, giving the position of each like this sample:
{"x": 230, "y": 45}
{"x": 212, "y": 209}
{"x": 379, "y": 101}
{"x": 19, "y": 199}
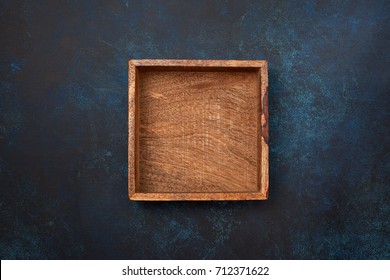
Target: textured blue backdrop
{"x": 63, "y": 129}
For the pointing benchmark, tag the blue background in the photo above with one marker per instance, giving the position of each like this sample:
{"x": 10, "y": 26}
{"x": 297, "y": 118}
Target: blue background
{"x": 63, "y": 129}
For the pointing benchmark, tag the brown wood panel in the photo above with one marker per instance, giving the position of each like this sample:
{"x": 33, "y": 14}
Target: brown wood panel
{"x": 198, "y": 130}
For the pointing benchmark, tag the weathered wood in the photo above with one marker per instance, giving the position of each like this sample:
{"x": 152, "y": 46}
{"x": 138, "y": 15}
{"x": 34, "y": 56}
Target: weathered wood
{"x": 198, "y": 130}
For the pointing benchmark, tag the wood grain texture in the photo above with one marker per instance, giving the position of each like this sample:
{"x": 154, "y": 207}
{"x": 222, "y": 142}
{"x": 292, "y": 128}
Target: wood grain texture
{"x": 198, "y": 130}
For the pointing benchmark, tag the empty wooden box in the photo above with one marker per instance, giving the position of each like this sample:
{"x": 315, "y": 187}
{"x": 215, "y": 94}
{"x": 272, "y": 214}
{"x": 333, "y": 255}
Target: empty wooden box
{"x": 198, "y": 130}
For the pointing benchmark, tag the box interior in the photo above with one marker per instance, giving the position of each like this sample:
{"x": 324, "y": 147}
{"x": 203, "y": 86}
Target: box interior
{"x": 197, "y": 130}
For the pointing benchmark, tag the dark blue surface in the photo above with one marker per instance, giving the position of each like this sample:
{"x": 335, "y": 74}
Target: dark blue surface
{"x": 63, "y": 129}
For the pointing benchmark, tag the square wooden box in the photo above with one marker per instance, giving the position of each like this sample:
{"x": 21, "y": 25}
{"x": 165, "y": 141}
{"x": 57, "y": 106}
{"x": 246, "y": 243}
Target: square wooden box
{"x": 198, "y": 129}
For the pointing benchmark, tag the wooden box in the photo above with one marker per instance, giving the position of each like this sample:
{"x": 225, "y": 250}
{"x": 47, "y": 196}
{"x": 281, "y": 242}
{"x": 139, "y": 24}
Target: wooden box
{"x": 198, "y": 130}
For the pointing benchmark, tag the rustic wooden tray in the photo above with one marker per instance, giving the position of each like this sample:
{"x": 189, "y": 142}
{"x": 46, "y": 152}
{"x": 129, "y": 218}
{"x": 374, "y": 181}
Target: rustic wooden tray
{"x": 198, "y": 130}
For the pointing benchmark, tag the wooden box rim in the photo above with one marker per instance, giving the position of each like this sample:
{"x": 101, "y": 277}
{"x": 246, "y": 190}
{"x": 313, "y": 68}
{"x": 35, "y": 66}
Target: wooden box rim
{"x": 260, "y": 66}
